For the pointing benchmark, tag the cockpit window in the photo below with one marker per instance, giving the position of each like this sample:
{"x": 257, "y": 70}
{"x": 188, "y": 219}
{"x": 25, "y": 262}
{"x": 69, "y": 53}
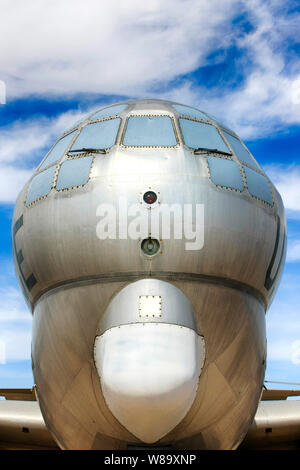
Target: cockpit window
{"x": 110, "y": 111}
{"x": 150, "y": 131}
{"x": 200, "y": 135}
{"x": 58, "y": 150}
{"x": 241, "y": 152}
{"x": 191, "y": 112}
{"x": 97, "y": 136}
{"x": 40, "y": 185}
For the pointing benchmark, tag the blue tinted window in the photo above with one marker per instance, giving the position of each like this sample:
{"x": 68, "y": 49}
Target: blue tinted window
{"x": 111, "y": 111}
{"x": 258, "y": 185}
{"x": 211, "y": 116}
{"x": 80, "y": 121}
{"x": 98, "y": 135}
{"x": 240, "y": 150}
{"x": 74, "y": 172}
{"x": 40, "y": 185}
{"x": 150, "y": 131}
{"x": 58, "y": 150}
{"x": 198, "y": 135}
{"x": 225, "y": 172}
{"x": 190, "y": 111}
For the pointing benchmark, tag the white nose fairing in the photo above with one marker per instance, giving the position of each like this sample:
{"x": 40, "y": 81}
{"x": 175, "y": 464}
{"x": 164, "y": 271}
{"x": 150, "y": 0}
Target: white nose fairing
{"x": 149, "y": 370}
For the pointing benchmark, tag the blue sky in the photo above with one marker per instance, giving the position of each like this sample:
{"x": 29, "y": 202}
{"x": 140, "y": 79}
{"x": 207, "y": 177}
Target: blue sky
{"x": 238, "y": 60}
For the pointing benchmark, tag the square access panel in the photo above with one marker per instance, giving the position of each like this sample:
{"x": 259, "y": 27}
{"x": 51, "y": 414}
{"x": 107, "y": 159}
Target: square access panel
{"x": 150, "y": 306}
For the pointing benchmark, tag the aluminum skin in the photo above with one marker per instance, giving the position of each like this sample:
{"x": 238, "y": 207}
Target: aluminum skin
{"x": 70, "y": 279}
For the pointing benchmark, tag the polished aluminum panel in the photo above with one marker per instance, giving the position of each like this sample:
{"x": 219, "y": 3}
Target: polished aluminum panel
{"x": 127, "y": 306}
{"x": 22, "y": 424}
{"x": 276, "y": 425}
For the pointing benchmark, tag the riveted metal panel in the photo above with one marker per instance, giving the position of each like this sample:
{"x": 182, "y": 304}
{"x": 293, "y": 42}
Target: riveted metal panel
{"x": 148, "y": 300}
{"x": 150, "y": 306}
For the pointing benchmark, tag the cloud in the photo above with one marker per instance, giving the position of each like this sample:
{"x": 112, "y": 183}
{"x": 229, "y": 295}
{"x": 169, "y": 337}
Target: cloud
{"x": 12, "y": 307}
{"x": 15, "y": 344}
{"x": 23, "y": 145}
{"x": 296, "y": 352}
{"x": 137, "y": 49}
{"x": 269, "y": 97}
{"x": 15, "y": 326}
{"x": 293, "y": 252}
{"x": 110, "y": 47}
{"x": 283, "y": 322}
{"x": 287, "y": 181}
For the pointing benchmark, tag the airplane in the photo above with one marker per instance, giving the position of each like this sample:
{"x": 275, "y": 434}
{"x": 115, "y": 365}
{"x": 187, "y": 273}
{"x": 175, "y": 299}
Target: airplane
{"x": 149, "y": 244}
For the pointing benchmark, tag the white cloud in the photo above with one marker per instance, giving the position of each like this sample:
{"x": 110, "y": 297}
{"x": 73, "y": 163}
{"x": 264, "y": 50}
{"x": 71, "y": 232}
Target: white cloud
{"x": 296, "y": 352}
{"x": 293, "y": 251}
{"x": 283, "y": 321}
{"x": 12, "y": 180}
{"x": 287, "y": 181}
{"x": 12, "y": 306}
{"x": 269, "y": 97}
{"x": 23, "y": 141}
{"x": 112, "y": 46}
{"x": 137, "y": 49}
{"x": 25, "y": 138}
{"x": 16, "y": 344}
{"x": 15, "y": 326}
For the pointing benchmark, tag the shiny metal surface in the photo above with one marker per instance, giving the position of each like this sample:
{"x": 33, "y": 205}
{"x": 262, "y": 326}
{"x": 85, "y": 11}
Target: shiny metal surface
{"x": 275, "y": 422}
{"x": 124, "y": 308}
{"x": 21, "y": 423}
{"x": 70, "y": 277}
{"x": 149, "y": 374}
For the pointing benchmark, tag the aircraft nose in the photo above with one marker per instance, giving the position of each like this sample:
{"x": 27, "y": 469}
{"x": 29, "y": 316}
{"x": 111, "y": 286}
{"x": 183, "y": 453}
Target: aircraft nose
{"x": 150, "y": 362}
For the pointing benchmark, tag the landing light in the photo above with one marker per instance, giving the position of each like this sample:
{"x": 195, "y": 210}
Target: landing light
{"x": 150, "y": 246}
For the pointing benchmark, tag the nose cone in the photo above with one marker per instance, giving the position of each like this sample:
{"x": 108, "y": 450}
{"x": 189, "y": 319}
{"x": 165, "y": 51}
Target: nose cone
{"x": 149, "y": 375}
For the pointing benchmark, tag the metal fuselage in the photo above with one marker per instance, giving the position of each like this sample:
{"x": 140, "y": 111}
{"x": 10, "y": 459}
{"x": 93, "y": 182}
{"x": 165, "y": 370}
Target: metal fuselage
{"x": 189, "y": 374}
